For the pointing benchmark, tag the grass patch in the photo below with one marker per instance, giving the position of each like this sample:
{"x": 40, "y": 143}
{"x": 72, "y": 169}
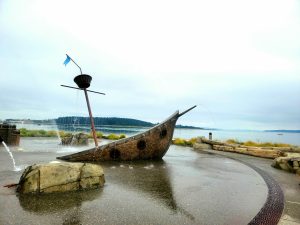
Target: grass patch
{"x": 64, "y": 134}
{"x": 232, "y": 142}
{"x": 184, "y": 142}
{"x": 114, "y": 136}
{"x": 122, "y": 136}
{"x": 98, "y": 134}
{"x": 257, "y": 144}
{"x": 42, "y": 133}
{"x": 52, "y": 133}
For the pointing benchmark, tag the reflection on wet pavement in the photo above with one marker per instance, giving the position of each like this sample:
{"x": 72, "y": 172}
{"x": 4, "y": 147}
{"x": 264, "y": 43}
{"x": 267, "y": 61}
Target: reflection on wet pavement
{"x": 184, "y": 188}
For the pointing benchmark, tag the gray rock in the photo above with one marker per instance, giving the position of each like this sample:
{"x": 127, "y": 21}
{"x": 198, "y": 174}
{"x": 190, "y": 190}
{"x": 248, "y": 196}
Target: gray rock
{"x": 295, "y": 164}
{"x": 284, "y": 166}
{"x": 201, "y": 146}
{"x": 76, "y": 139}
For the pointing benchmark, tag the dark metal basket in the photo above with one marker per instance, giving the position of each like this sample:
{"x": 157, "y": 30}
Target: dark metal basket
{"x": 83, "y": 80}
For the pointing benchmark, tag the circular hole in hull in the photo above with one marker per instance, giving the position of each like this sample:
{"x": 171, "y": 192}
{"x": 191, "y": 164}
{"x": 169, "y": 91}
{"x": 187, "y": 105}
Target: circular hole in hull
{"x": 163, "y": 133}
{"x": 114, "y": 154}
{"x": 141, "y": 145}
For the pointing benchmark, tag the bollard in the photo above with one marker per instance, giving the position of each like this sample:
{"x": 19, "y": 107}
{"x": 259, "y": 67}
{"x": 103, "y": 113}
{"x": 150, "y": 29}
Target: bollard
{"x": 210, "y": 136}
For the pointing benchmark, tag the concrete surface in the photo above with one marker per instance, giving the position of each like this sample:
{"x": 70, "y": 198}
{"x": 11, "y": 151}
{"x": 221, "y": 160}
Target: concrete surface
{"x": 184, "y": 188}
{"x": 289, "y": 183}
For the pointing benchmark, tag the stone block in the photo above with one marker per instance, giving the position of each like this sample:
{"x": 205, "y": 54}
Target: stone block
{"x": 284, "y": 149}
{"x": 219, "y": 147}
{"x": 265, "y": 153}
{"x": 242, "y": 150}
{"x": 284, "y": 166}
{"x": 91, "y": 170}
{"x": 228, "y": 148}
{"x": 275, "y": 164}
{"x": 201, "y": 146}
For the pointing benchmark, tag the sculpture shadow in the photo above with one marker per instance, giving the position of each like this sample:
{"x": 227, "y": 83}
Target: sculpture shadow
{"x": 152, "y": 178}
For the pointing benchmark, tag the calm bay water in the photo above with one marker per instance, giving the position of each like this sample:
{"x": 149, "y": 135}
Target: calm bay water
{"x": 258, "y": 136}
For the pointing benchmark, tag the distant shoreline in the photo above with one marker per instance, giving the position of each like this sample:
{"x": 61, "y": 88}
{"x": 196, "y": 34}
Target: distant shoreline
{"x": 114, "y": 136}
{"x": 142, "y": 125}
{"x": 283, "y": 131}
{"x": 98, "y": 121}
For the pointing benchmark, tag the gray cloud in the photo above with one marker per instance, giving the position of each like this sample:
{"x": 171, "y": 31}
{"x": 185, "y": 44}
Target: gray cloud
{"x": 244, "y": 78}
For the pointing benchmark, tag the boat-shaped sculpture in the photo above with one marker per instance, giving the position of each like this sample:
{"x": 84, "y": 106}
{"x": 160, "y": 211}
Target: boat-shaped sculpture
{"x": 151, "y": 144}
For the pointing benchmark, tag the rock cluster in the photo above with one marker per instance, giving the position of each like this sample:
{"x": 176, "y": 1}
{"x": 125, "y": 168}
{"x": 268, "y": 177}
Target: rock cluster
{"x": 254, "y": 151}
{"x": 285, "y": 158}
{"x": 60, "y": 177}
{"x": 76, "y": 139}
{"x": 264, "y": 152}
{"x": 288, "y": 163}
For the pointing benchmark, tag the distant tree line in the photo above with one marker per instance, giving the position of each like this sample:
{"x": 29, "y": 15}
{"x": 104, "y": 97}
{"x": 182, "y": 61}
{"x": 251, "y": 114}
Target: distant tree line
{"x": 188, "y": 127}
{"x": 99, "y": 121}
{"x": 284, "y": 131}
{"x": 102, "y": 121}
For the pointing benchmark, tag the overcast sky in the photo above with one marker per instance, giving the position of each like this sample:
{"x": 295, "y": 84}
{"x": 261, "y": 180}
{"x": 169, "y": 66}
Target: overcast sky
{"x": 239, "y": 61}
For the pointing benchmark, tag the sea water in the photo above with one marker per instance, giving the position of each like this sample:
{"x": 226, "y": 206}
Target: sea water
{"x": 257, "y": 136}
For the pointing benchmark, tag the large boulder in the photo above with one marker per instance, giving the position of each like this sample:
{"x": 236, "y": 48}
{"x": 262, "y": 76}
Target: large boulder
{"x": 60, "y": 177}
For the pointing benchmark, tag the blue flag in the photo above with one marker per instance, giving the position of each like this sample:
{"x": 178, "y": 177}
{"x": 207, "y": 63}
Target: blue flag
{"x": 68, "y": 59}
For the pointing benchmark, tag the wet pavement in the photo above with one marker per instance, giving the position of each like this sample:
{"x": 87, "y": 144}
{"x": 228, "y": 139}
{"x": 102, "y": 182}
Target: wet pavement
{"x": 289, "y": 183}
{"x": 186, "y": 187}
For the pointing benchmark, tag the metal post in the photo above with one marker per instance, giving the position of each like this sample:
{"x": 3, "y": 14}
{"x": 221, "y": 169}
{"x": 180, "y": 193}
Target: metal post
{"x": 91, "y": 117}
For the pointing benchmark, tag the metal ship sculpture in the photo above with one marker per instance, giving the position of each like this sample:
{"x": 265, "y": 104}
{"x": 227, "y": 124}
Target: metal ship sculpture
{"x": 151, "y": 144}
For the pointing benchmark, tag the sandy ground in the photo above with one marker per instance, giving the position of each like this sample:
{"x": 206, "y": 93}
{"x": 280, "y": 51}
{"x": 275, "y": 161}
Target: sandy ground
{"x": 186, "y": 187}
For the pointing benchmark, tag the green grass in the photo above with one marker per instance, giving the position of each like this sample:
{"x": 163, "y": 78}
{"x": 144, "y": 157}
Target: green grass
{"x": 52, "y": 133}
{"x": 98, "y": 134}
{"x": 115, "y": 136}
{"x": 122, "y": 136}
{"x": 232, "y": 141}
{"x": 184, "y": 142}
{"x": 42, "y": 133}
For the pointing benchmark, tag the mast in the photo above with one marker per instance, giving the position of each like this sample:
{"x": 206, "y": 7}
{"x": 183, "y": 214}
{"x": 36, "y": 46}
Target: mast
{"x": 83, "y": 81}
{"x": 91, "y": 117}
